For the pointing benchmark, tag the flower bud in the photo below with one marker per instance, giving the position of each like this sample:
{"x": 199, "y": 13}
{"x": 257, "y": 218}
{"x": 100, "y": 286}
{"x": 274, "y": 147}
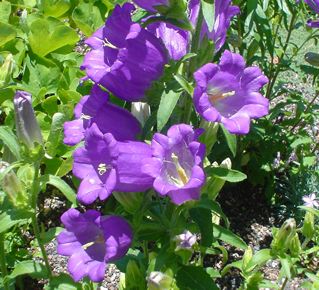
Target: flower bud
{"x": 28, "y": 129}
{"x": 141, "y": 111}
{"x": 312, "y": 58}
{"x": 159, "y": 281}
{"x": 295, "y": 246}
{"x": 283, "y": 236}
{"x": 308, "y": 228}
{"x": 6, "y": 70}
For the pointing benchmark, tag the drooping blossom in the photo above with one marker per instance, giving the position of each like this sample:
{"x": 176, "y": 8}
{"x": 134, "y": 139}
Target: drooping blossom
{"x": 150, "y": 5}
{"x": 176, "y": 164}
{"x": 228, "y": 93}
{"x": 91, "y": 241}
{"x": 124, "y": 58}
{"x": 311, "y": 200}
{"x": 224, "y": 12}
{"x": 176, "y": 40}
{"x": 105, "y": 165}
{"x": 186, "y": 240}
{"x": 96, "y": 108}
{"x": 314, "y": 5}
{"x": 27, "y": 126}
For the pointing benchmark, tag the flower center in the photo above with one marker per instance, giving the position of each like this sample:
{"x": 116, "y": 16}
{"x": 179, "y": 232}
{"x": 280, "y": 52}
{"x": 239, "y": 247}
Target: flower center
{"x": 99, "y": 240}
{"x": 182, "y": 176}
{"x": 216, "y": 95}
{"x": 102, "y": 168}
{"x": 109, "y": 44}
{"x": 85, "y": 117}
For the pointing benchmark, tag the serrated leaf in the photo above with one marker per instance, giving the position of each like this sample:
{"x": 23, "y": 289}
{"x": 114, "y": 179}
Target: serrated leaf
{"x": 60, "y": 184}
{"x": 10, "y": 140}
{"x": 231, "y": 141}
{"x": 7, "y": 33}
{"x": 192, "y": 277}
{"x": 229, "y": 175}
{"x": 166, "y": 107}
{"x": 228, "y": 237}
{"x": 48, "y": 35}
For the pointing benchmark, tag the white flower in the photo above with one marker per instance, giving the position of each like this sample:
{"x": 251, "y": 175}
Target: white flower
{"x": 311, "y": 200}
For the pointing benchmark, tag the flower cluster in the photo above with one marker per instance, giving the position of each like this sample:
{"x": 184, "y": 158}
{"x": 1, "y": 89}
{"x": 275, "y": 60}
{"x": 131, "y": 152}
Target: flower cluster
{"x": 125, "y": 59}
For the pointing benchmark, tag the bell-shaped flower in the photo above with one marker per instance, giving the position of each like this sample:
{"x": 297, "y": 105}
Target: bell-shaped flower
{"x": 176, "y": 164}
{"x": 124, "y": 58}
{"x": 28, "y": 129}
{"x": 150, "y": 5}
{"x": 224, "y": 12}
{"x": 228, "y": 93}
{"x": 96, "y": 108}
{"x": 105, "y": 165}
{"x": 91, "y": 241}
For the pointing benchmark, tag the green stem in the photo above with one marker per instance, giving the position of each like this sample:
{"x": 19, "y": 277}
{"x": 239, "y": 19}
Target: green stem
{"x": 284, "y": 284}
{"x": 36, "y": 229}
{"x": 3, "y": 263}
{"x": 277, "y": 72}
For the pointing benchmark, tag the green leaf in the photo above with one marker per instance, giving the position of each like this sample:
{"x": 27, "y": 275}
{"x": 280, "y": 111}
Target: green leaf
{"x": 231, "y": 140}
{"x": 48, "y": 236}
{"x": 10, "y": 140}
{"x": 166, "y": 107}
{"x": 32, "y": 268}
{"x": 208, "y": 8}
{"x": 229, "y": 175}
{"x": 184, "y": 84}
{"x": 48, "y": 35}
{"x": 55, "y": 8}
{"x": 87, "y": 18}
{"x": 203, "y": 218}
{"x": 301, "y": 141}
{"x": 260, "y": 258}
{"x": 5, "y": 11}
{"x": 60, "y": 184}
{"x": 7, "y": 33}
{"x": 62, "y": 282}
{"x": 55, "y": 134}
{"x": 11, "y": 218}
{"x": 192, "y": 277}
{"x": 228, "y": 237}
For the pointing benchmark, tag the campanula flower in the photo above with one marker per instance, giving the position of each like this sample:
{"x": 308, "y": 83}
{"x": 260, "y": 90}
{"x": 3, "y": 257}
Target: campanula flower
{"x": 186, "y": 240}
{"x": 124, "y": 58}
{"x": 228, "y": 93}
{"x": 311, "y": 200}
{"x": 28, "y": 129}
{"x": 96, "y": 108}
{"x": 91, "y": 241}
{"x": 176, "y": 164}
{"x": 314, "y": 5}
{"x": 150, "y": 5}
{"x": 105, "y": 165}
{"x": 224, "y": 12}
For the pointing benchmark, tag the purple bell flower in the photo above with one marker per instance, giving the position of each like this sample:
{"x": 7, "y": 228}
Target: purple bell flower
{"x": 125, "y": 58}
{"x": 314, "y": 5}
{"x": 176, "y": 40}
{"x": 150, "y": 5}
{"x": 176, "y": 164}
{"x": 106, "y": 165}
{"x": 97, "y": 109}
{"x": 228, "y": 93}
{"x": 224, "y": 12}
{"x": 91, "y": 241}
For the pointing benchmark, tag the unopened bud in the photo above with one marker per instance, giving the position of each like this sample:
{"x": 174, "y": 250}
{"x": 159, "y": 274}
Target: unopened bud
{"x": 141, "y": 111}
{"x": 283, "y": 237}
{"x": 308, "y": 228}
{"x": 28, "y": 129}
{"x": 6, "y": 70}
{"x": 312, "y": 58}
{"x": 159, "y": 281}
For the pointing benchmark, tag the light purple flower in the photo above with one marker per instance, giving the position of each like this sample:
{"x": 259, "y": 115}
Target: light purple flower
{"x": 28, "y": 129}
{"x": 109, "y": 118}
{"x": 125, "y": 58}
{"x": 175, "y": 39}
{"x": 91, "y": 241}
{"x": 224, "y": 12}
{"x": 311, "y": 200}
{"x": 150, "y": 5}
{"x": 105, "y": 165}
{"x": 186, "y": 240}
{"x": 228, "y": 93}
{"x": 176, "y": 164}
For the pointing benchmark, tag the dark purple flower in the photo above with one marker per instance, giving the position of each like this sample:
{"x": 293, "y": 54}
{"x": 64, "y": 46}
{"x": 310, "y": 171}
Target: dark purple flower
{"x": 176, "y": 164}
{"x": 125, "y": 58}
{"x": 224, "y": 12}
{"x": 175, "y": 39}
{"x": 314, "y": 6}
{"x": 97, "y": 109}
{"x": 28, "y": 129}
{"x": 105, "y": 165}
{"x": 91, "y": 241}
{"x": 228, "y": 93}
{"x": 150, "y": 5}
